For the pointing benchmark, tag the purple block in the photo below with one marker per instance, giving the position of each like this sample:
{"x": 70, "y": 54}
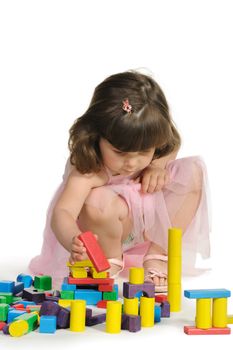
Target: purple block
{"x": 132, "y": 323}
{"x": 6, "y": 329}
{"x": 63, "y": 318}
{"x": 165, "y": 309}
{"x": 52, "y": 298}
{"x": 49, "y": 308}
{"x": 33, "y": 295}
{"x": 129, "y": 289}
{"x": 93, "y": 320}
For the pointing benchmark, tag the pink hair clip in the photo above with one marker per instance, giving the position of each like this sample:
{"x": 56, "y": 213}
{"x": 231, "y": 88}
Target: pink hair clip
{"x": 126, "y": 106}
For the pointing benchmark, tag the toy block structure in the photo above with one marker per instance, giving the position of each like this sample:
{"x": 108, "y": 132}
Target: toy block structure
{"x": 211, "y": 311}
{"x": 174, "y": 268}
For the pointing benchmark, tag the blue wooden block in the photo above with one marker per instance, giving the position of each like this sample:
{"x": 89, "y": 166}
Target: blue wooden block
{"x": 48, "y": 324}
{"x": 19, "y": 287}
{"x": 91, "y": 296}
{"x": 207, "y": 293}
{"x": 13, "y": 313}
{"x": 66, "y": 286}
{"x": 7, "y": 286}
{"x": 157, "y": 313}
{"x": 26, "y": 279}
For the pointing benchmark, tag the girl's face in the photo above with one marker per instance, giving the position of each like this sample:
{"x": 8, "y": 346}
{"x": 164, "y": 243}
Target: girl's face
{"x": 124, "y": 163}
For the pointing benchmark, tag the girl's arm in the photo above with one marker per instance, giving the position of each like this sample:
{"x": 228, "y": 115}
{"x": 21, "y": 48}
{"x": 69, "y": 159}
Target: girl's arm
{"x": 69, "y": 205}
{"x": 162, "y": 162}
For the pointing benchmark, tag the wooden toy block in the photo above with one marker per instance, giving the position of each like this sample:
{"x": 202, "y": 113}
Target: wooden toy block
{"x": 8, "y": 296}
{"x": 65, "y": 302}
{"x": 129, "y": 290}
{"x": 191, "y": 330}
{"x": 132, "y": 323}
{"x": 136, "y": 275}
{"x": 82, "y": 263}
{"x": 2, "y": 300}
{"x": 78, "y": 272}
{"x": 43, "y": 282}
{"x": 13, "y": 313}
{"x": 26, "y": 279}
{"x": 67, "y": 286}
{"x": 105, "y": 287}
{"x": 160, "y": 298}
{"x": 89, "y": 280}
{"x": 94, "y": 320}
{"x": 219, "y": 318}
{"x": 147, "y": 311}
{"x": 113, "y": 317}
{"x": 31, "y": 319}
{"x": 49, "y": 308}
{"x": 77, "y": 315}
{"x": 67, "y": 294}
{"x": 31, "y": 308}
{"x": 48, "y": 324}
{"x": 90, "y": 296}
{"x": 229, "y": 319}
{"x": 4, "y": 308}
{"x": 18, "y": 328}
{"x": 203, "y": 313}
{"x": 110, "y": 295}
{"x": 2, "y": 324}
{"x": 102, "y": 304}
{"x": 63, "y": 318}
{"x": 95, "y": 274}
{"x": 130, "y": 306}
{"x": 33, "y": 295}
{"x": 18, "y": 288}
{"x": 165, "y": 309}
{"x": 94, "y": 251}
{"x": 5, "y": 329}
{"x": 207, "y": 293}
{"x": 157, "y": 313}
{"x": 7, "y": 286}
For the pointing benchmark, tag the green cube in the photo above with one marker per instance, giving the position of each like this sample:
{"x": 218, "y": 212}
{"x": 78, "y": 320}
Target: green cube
{"x": 43, "y": 282}
{"x": 4, "y": 312}
{"x": 67, "y": 294}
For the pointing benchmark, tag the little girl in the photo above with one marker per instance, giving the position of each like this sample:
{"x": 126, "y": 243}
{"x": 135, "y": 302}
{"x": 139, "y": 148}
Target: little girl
{"x": 123, "y": 183}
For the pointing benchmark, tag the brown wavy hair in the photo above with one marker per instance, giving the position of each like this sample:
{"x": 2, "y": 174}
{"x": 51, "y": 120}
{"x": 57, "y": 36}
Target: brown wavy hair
{"x": 148, "y": 125}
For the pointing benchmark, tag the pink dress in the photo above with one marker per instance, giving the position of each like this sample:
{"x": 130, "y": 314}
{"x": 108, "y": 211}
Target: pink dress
{"x": 152, "y": 214}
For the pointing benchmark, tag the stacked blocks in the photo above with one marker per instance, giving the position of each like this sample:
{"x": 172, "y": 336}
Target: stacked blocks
{"x": 207, "y": 323}
{"x": 174, "y": 268}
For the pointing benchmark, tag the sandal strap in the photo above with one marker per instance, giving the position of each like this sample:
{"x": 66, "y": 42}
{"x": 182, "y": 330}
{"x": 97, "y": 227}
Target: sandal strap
{"x": 155, "y": 257}
{"x": 155, "y": 273}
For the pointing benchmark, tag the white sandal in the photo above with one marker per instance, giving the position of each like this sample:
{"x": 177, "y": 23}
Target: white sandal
{"x": 153, "y": 272}
{"x": 117, "y": 262}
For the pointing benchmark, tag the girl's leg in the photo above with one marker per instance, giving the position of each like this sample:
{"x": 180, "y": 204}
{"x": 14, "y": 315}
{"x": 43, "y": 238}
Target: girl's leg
{"x": 112, "y": 225}
{"x": 182, "y": 219}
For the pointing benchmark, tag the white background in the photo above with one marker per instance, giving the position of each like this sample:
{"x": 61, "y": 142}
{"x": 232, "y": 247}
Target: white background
{"x": 52, "y": 55}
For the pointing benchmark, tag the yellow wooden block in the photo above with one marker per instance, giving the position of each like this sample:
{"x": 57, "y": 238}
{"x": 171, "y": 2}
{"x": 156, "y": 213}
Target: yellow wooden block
{"x": 174, "y": 270}
{"x": 95, "y": 274}
{"x": 174, "y": 296}
{"x": 82, "y": 263}
{"x": 18, "y": 328}
{"x": 131, "y": 306}
{"x": 147, "y": 311}
{"x": 203, "y": 313}
{"x": 136, "y": 275}
{"x": 65, "y": 302}
{"x": 174, "y": 242}
{"x": 219, "y": 312}
{"x": 229, "y": 319}
{"x": 78, "y": 272}
{"x": 113, "y": 317}
{"x": 77, "y": 315}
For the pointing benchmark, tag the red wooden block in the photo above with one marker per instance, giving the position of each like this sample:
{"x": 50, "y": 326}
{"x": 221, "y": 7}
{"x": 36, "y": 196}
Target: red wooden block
{"x": 89, "y": 280}
{"x": 105, "y": 288}
{"x": 102, "y": 304}
{"x": 18, "y": 306}
{"x": 94, "y": 251}
{"x": 160, "y": 298}
{"x": 191, "y": 330}
{"x": 2, "y": 324}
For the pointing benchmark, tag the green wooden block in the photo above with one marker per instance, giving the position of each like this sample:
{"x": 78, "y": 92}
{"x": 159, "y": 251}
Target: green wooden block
{"x": 43, "y": 282}
{"x": 4, "y": 312}
{"x": 8, "y": 296}
{"x": 2, "y": 300}
{"x": 16, "y": 299}
{"x": 67, "y": 294}
{"x": 110, "y": 295}
{"x": 31, "y": 319}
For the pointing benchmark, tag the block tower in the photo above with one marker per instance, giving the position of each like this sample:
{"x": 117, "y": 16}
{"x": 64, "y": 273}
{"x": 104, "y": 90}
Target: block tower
{"x": 208, "y": 322}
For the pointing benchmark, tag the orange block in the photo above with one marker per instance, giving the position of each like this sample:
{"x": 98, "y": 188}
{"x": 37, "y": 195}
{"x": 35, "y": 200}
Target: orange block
{"x": 191, "y": 330}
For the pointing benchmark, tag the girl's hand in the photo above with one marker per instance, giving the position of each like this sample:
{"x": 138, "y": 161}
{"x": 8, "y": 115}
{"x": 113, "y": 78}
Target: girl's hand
{"x": 153, "y": 179}
{"x": 77, "y": 251}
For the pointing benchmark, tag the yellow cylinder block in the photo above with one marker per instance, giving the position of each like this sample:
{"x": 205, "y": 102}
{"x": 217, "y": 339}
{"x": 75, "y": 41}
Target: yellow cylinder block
{"x": 174, "y": 296}
{"x": 18, "y": 328}
{"x": 174, "y": 270}
{"x": 174, "y": 242}
{"x": 147, "y": 311}
{"x": 203, "y": 313}
{"x": 219, "y": 312}
{"x": 77, "y": 315}
{"x": 113, "y": 317}
{"x": 131, "y": 306}
{"x": 136, "y": 275}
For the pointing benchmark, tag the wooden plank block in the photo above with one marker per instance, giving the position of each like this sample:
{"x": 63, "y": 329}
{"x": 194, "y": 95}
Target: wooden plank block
{"x": 191, "y": 330}
{"x": 207, "y": 293}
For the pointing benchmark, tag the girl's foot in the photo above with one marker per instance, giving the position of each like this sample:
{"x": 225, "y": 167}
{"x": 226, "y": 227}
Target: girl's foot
{"x": 117, "y": 265}
{"x": 155, "y": 266}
